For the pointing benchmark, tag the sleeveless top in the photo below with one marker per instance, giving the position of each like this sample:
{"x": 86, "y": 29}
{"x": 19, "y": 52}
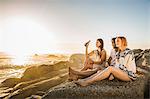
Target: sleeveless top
{"x": 97, "y": 57}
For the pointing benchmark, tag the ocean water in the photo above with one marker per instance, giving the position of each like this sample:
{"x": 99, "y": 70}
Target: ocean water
{"x": 12, "y": 66}
{"x": 10, "y": 73}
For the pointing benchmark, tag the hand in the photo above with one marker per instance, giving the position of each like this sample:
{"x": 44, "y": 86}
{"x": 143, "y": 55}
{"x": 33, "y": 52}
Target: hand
{"x": 90, "y": 66}
{"x": 90, "y": 61}
{"x": 87, "y": 43}
{"x": 106, "y": 64}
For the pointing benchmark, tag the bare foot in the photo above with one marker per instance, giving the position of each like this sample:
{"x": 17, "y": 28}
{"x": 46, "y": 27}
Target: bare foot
{"x": 87, "y": 43}
{"x": 72, "y": 71}
{"x": 72, "y": 76}
{"x": 81, "y": 83}
{"x": 111, "y": 77}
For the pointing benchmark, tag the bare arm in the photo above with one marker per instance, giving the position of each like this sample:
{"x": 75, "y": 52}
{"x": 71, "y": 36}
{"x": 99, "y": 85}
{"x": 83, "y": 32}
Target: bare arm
{"x": 109, "y": 60}
{"x": 88, "y": 54}
{"x": 91, "y": 53}
{"x": 86, "y": 51}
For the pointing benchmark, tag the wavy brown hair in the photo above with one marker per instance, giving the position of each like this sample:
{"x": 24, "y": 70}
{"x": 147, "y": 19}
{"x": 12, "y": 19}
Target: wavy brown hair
{"x": 123, "y": 40}
{"x": 102, "y": 43}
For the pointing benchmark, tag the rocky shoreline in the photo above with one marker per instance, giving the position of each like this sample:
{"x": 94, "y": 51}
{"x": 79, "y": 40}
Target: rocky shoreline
{"x": 50, "y": 81}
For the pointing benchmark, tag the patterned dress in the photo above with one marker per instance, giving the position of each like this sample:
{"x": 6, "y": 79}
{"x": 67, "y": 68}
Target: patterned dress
{"x": 125, "y": 61}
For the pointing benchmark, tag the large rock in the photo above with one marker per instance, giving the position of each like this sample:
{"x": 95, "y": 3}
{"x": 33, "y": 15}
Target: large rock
{"x": 143, "y": 58}
{"x": 35, "y": 72}
{"x": 27, "y": 83}
{"x": 38, "y": 88}
{"x": 147, "y": 59}
{"x": 77, "y": 60}
{"x": 104, "y": 89}
{"x": 10, "y": 82}
{"x": 36, "y": 76}
{"x": 137, "y": 51}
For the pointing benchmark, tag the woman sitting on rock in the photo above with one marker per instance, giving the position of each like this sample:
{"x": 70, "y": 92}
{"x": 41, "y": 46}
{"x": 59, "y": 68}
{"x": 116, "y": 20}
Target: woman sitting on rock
{"x": 124, "y": 68}
{"x": 94, "y": 61}
{"x": 112, "y": 58}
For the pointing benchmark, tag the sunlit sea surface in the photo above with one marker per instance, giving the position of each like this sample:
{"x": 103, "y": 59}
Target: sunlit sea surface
{"x": 14, "y": 66}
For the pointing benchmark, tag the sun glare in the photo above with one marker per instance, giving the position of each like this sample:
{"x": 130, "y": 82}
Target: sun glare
{"x": 24, "y": 36}
{"x": 19, "y": 60}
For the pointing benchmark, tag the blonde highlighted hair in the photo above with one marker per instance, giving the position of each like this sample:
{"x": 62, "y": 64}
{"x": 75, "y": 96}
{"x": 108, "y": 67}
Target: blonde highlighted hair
{"x": 123, "y": 40}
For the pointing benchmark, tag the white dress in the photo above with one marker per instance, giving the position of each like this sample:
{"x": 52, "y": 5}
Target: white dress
{"x": 96, "y": 57}
{"x": 113, "y": 56}
{"x": 125, "y": 61}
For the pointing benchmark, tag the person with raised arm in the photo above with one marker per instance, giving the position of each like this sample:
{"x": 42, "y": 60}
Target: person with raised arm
{"x": 124, "y": 69}
{"x": 94, "y": 61}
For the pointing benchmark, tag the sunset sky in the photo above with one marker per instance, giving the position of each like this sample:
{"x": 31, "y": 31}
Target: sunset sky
{"x": 63, "y": 26}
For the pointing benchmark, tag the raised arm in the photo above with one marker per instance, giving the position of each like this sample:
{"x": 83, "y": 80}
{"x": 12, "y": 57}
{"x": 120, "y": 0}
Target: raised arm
{"x": 86, "y": 52}
{"x": 89, "y": 54}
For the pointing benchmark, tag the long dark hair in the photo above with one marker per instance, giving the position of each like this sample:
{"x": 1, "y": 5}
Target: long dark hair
{"x": 102, "y": 43}
{"x": 113, "y": 39}
{"x": 115, "y": 47}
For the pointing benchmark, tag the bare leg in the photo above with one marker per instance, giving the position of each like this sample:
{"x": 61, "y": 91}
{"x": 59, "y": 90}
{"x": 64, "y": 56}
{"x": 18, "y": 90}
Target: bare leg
{"x": 74, "y": 75}
{"x": 105, "y": 74}
{"x": 87, "y": 65}
{"x": 83, "y": 73}
{"x": 88, "y": 78}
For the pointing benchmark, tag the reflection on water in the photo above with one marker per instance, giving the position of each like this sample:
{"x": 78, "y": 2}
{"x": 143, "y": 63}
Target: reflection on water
{"x": 10, "y": 73}
{"x": 38, "y": 59}
{"x": 19, "y": 60}
{"x": 32, "y": 59}
{"x": 9, "y": 65}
